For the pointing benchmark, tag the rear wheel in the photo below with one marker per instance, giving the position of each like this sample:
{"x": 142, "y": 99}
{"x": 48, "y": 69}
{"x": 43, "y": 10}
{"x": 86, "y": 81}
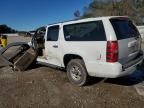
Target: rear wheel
{"x": 76, "y": 72}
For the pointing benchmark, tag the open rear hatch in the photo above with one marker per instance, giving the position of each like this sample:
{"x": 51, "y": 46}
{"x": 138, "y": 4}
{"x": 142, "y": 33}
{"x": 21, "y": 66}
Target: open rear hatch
{"x": 129, "y": 41}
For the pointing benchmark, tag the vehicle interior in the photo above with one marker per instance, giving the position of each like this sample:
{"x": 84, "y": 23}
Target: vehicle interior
{"x": 38, "y": 40}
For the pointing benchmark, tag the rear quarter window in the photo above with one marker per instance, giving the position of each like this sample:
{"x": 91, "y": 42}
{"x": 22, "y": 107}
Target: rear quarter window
{"x": 53, "y": 33}
{"x": 89, "y": 31}
{"x": 124, "y": 28}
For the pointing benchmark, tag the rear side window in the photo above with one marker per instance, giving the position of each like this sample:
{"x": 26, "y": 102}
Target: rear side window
{"x": 53, "y": 33}
{"x": 124, "y": 28}
{"x": 90, "y": 31}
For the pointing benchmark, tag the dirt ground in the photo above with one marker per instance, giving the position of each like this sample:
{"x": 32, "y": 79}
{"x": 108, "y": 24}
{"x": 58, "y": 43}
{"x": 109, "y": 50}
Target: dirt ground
{"x": 12, "y": 39}
{"x": 45, "y": 87}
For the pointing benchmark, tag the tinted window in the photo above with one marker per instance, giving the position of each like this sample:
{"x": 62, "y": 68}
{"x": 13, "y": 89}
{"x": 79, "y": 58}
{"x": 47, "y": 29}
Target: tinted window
{"x": 124, "y": 28}
{"x": 90, "y": 31}
{"x": 53, "y": 33}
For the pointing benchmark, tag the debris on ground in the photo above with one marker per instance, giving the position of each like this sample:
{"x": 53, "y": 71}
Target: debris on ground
{"x": 19, "y": 59}
{"x": 24, "y": 61}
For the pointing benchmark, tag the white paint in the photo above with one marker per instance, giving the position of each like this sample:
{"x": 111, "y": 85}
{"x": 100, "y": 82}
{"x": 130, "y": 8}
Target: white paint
{"x": 93, "y": 53}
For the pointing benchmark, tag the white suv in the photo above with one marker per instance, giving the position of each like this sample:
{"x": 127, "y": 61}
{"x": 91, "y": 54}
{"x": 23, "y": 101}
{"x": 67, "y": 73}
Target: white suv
{"x": 101, "y": 47}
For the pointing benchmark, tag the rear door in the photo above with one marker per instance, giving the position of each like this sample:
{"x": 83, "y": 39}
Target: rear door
{"x": 128, "y": 38}
{"x": 52, "y": 47}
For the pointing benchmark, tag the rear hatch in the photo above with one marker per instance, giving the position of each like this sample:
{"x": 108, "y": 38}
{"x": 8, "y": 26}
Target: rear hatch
{"x": 129, "y": 41}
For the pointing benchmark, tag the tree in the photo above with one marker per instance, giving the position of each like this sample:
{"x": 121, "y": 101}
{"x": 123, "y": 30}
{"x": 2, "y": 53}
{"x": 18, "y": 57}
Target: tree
{"x": 5, "y": 29}
{"x": 132, "y": 8}
{"x": 77, "y": 14}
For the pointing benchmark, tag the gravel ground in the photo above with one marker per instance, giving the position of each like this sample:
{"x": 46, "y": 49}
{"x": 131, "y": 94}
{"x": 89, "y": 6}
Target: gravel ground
{"x": 45, "y": 87}
{"x": 12, "y": 39}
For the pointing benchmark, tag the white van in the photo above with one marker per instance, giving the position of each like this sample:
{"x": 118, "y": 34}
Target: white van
{"x": 101, "y": 47}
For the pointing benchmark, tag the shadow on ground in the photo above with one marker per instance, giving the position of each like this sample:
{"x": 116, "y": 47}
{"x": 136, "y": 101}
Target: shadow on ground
{"x": 33, "y": 66}
{"x": 133, "y": 79}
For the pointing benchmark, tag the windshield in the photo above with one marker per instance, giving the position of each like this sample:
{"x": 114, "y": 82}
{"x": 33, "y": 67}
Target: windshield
{"x": 124, "y": 28}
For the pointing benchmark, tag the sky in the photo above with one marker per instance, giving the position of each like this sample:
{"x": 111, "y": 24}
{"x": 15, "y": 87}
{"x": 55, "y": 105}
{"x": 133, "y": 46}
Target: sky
{"x": 31, "y": 14}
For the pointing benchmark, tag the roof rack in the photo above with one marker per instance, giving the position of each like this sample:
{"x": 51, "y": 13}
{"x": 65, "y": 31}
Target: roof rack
{"x": 63, "y": 21}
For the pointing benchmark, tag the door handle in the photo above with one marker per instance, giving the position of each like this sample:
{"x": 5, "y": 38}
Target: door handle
{"x": 55, "y": 46}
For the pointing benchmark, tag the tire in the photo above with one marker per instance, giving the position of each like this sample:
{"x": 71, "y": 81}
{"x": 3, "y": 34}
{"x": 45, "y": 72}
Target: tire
{"x": 76, "y": 72}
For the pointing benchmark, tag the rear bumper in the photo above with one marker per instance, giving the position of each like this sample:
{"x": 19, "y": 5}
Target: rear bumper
{"x": 112, "y": 70}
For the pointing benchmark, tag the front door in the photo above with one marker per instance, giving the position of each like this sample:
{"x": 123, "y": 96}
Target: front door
{"x": 52, "y": 45}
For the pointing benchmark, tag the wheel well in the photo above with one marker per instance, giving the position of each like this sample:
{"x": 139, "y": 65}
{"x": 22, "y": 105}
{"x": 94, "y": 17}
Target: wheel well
{"x": 69, "y": 57}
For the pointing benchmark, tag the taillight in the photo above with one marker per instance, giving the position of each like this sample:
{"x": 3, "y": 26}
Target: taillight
{"x": 112, "y": 51}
